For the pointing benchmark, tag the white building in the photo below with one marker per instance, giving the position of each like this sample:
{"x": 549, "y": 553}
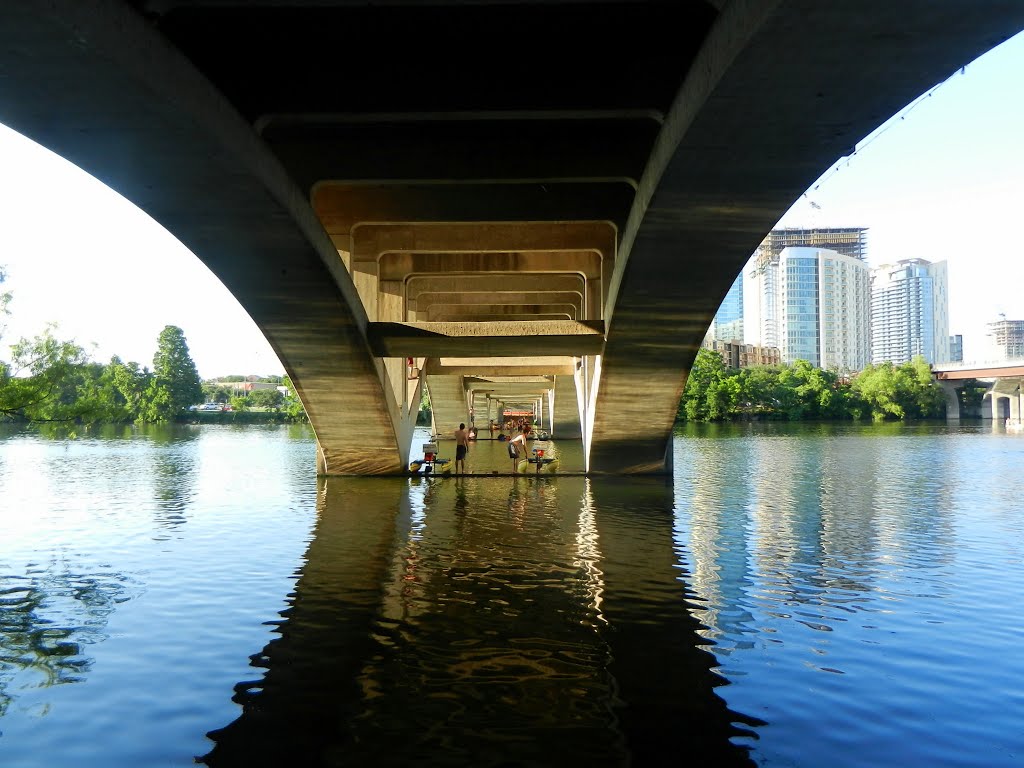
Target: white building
{"x": 761, "y": 292}
{"x": 761, "y": 302}
{"x": 1006, "y": 339}
{"x": 910, "y": 312}
{"x": 824, "y": 308}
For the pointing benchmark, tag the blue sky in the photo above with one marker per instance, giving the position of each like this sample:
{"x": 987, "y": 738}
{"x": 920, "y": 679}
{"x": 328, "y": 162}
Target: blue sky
{"x": 941, "y": 180}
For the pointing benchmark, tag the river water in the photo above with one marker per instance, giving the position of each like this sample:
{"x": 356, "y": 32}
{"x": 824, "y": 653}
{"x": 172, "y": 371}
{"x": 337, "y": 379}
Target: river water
{"x": 795, "y": 596}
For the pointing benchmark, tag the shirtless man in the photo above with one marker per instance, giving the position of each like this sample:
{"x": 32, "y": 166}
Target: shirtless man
{"x": 461, "y": 448}
{"x": 518, "y": 445}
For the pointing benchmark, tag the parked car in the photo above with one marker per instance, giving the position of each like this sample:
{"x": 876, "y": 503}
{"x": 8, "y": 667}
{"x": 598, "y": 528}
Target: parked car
{"x": 210, "y": 407}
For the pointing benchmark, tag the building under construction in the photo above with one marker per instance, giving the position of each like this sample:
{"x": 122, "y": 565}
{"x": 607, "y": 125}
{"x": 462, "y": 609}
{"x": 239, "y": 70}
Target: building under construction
{"x": 849, "y": 241}
{"x": 1007, "y": 338}
{"x": 762, "y": 302}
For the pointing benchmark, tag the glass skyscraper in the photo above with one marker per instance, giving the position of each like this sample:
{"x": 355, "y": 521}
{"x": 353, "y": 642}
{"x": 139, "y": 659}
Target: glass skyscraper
{"x": 909, "y": 312}
{"x": 729, "y": 318}
{"x": 824, "y": 315}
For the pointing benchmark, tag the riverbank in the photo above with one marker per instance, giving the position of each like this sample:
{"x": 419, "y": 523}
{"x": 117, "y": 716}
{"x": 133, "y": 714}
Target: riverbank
{"x": 241, "y": 417}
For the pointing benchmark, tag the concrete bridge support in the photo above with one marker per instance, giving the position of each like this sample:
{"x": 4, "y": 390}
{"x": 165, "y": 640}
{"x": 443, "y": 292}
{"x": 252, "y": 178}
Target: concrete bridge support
{"x": 449, "y": 406}
{"x": 1003, "y": 401}
{"x": 567, "y": 399}
{"x": 952, "y": 393}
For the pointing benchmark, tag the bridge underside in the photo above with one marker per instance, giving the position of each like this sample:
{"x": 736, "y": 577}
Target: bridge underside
{"x": 540, "y": 201}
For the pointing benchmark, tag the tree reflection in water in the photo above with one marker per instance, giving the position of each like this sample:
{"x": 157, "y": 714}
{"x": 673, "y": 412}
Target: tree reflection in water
{"x": 48, "y": 618}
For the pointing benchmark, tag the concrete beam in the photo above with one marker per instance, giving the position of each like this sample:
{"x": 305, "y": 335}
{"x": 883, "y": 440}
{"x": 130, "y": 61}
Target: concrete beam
{"x": 502, "y": 366}
{"x": 492, "y": 283}
{"x": 399, "y": 266}
{"x": 541, "y": 148}
{"x": 424, "y": 300}
{"x": 498, "y": 313}
{"x": 556, "y": 338}
{"x": 340, "y": 207}
{"x": 370, "y": 241}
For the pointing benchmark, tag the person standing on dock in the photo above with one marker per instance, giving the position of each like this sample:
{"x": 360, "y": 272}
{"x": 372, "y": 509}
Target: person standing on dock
{"x": 461, "y": 448}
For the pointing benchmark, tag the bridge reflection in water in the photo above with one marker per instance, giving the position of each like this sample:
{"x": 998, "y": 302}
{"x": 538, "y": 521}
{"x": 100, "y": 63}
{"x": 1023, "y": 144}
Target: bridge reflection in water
{"x": 486, "y": 622}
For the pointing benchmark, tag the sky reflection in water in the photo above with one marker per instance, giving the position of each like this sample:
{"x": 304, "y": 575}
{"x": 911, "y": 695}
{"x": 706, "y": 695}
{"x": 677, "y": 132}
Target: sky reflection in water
{"x": 857, "y": 588}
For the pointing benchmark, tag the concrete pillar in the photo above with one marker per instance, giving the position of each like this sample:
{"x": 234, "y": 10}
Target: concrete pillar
{"x": 1015, "y": 407}
{"x": 952, "y": 393}
{"x": 364, "y": 275}
{"x": 565, "y": 414}
{"x": 996, "y": 411}
{"x": 447, "y": 404}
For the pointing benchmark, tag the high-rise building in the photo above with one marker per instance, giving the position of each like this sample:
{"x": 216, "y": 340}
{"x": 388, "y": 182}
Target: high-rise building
{"x": 956, "y": 348}
{"x": 909, "y": 312}
{"x": 761, "y": 294}
{"x": 1006, "y": 338}
{"x": 825, "y": 308}
{"x": 849, "y": 241}
{"x": 728, "y": 323}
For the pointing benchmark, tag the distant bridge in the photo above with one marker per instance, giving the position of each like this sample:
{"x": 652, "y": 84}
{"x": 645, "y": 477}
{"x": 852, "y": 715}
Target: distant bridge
{"x": 1002, "y": 401}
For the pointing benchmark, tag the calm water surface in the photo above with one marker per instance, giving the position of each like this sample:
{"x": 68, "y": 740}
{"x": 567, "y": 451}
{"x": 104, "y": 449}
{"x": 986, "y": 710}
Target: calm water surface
{"x": 797, "y": 596}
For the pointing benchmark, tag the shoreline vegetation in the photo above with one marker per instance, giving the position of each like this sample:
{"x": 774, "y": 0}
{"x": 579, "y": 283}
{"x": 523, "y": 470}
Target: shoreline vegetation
{"x": 50, "y": 382}
{"x": 800, "y": 392}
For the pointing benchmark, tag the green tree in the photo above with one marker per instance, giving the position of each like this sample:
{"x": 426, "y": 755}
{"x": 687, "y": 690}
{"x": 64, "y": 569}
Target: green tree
{"x": 270, "y": 399}
{"x": 906, "y": 391}
{"x": 133, "y": 384}
{"x": 41, "y": 382}
{"x": 215, "y": 393}
{"x": 707, "y": 370}
{"x": 292, "y": 404}
{"x": 176, "y": 384}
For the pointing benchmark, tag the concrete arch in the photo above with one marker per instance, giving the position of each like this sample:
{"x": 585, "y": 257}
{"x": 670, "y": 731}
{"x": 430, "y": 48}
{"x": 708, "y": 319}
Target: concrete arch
{"x": 101, "y": 88}
{"x": 709, "y": 194}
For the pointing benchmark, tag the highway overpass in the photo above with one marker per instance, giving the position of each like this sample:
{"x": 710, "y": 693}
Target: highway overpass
{"x": 509, "y": 186}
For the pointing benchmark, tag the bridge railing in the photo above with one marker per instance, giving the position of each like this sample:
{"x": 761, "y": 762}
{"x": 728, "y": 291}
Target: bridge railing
{"x": 1015, "y": 362}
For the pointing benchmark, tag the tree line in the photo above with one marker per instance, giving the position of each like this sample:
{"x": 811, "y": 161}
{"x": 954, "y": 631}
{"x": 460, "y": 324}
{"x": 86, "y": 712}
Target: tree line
{"x": 221, "y": 391}
{"x": 800, "y": 391}
{"x": 49, "y": 380}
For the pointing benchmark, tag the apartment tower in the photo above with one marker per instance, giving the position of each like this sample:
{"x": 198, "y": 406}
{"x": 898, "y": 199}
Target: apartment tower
{"x": 825, "y": 308}
{"x": 910, "y": 312}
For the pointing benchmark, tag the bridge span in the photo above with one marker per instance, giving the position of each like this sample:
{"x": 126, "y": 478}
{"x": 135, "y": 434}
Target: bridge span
{"x": 1003, "y": 400}
{"x": 549, "y": 189}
